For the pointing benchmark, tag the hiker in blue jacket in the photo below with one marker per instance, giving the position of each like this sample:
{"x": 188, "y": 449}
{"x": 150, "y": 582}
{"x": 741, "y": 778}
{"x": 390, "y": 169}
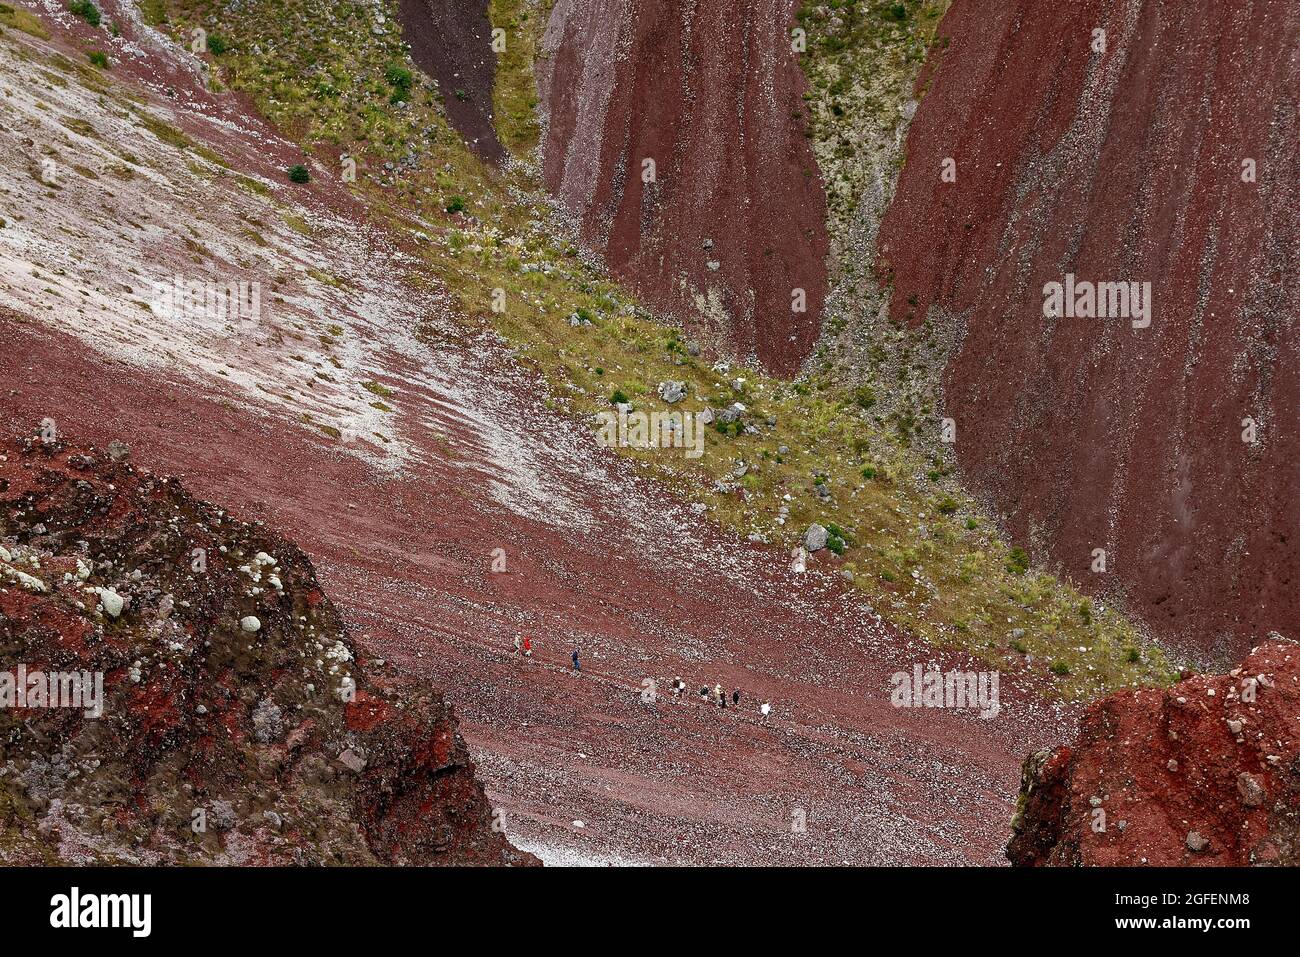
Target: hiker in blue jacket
{"x": 575, "y": 660}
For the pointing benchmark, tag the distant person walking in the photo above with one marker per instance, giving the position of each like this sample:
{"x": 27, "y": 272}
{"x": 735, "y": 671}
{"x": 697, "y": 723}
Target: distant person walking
{"x": 735, "y": 697}
{"x": 766, "y": 708}
{"x": 528, "y": 647}
{"x": 720, "y": 695}
{"x": 519, "y": 645}
{"x": 576, "y": 666}
{"x": 678, "y": 687}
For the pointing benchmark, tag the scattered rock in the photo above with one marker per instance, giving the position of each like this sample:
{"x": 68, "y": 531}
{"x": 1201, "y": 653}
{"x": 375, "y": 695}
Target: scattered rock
{"x": 267, "y": 722}
{"x": 672, "y": 391}
{"x": 732, "y": 412}
{"x": 1250, "y": 789}
{"x": 111, "y": 601}
{"x": 352, "y": 761}
{"x": 815, "y": 538}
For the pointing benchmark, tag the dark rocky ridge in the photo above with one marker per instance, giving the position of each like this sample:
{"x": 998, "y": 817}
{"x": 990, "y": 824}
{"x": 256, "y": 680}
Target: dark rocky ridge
{"x": 292, "y": 751}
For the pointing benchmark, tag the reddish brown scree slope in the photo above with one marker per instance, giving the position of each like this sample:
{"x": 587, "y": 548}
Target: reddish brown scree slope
{"x": 1122, "y": 165}
{"x": 1205, "y": 772}
{"x": 451, "y": 41}
{"x": 735, "y": 218}
{"x": 643, "y": 587}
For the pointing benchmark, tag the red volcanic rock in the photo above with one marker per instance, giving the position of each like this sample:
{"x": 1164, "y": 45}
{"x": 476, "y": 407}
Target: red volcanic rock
{"x": 1204, "y": 773}
{"x": 1121, "y": 165}
{"x": 735, "y": 218}
{"x": 236, "y": 725}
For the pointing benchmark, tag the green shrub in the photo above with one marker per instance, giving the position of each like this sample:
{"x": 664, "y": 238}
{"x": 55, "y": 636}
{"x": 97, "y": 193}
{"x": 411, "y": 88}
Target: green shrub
{"x": 1018, "y": 561}
{"x": 456, "y": 204}
{"x": 1060, "y": 668}
{"x": 98, "y": 58}
{"x": 217, "y": 45}
{"x": 299, "y": 174}
{"x": 400, "y": 79}
{"x": 87, "y": 11}
{"x": 864, "y": 397}
{"x": 619, "y": 398}
{"x": 947, "y": 505}
{"x": 1132, "y": 656}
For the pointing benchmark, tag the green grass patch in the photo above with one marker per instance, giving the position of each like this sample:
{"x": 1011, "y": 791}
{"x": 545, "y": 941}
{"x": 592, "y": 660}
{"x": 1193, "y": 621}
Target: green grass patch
{"x": 23, "y": 20}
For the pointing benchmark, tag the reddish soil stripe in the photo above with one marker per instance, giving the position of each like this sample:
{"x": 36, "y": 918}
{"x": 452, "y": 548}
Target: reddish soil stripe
{"x": 451, "y": 41}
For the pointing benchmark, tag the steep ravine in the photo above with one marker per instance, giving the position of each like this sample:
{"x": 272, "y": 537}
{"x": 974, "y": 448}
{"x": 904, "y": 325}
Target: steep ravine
{"x": 1166, "y": 157}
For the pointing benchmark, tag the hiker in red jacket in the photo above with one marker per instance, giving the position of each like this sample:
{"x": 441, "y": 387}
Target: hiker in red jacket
{"x": 528, "y": 647}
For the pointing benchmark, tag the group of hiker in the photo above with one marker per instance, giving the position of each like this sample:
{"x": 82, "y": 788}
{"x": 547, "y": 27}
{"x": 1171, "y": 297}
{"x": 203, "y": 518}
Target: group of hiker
{"x": 717, "y": 695}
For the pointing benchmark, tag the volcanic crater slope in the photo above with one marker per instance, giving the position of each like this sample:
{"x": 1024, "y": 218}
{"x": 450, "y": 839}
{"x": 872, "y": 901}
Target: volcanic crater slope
{"x": 238, "y": 727}
{"x": 1120, "y": 142}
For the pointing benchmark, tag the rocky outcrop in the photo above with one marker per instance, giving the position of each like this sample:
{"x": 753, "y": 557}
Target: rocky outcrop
{"x": 1159, "y": 150}
{"x": 236, "y": 724}
{"x": 1206, "y": 772}
{"x": 730, "y": 221}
